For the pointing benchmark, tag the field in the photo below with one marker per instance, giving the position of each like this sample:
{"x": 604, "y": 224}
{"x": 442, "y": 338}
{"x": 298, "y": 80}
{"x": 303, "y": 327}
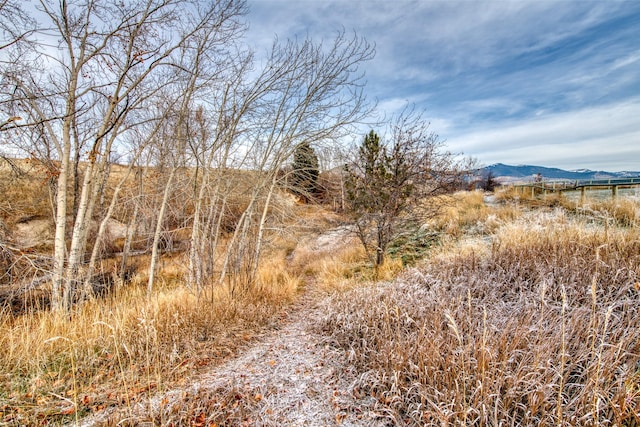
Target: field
{"x": 507, "y": 313}
{"x": 535, "y": 324}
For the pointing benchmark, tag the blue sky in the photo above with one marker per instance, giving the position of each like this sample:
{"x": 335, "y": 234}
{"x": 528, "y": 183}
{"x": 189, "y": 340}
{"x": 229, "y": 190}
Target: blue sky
{"x": 551, "y": 83}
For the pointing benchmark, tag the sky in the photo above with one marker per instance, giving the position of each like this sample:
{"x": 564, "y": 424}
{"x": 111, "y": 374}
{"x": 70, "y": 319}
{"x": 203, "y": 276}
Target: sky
{"x": 549, "y": 83}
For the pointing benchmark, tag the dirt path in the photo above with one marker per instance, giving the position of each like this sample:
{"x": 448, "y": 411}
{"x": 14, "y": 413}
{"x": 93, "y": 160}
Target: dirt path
{"x": 290, "y": 377}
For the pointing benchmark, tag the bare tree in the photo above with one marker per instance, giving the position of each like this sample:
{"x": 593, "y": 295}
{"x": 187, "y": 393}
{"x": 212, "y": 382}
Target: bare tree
{"x": 15, "y": 24}
{"x": 94, "y": 84}
{"x": 110, "y": 62}
{"x": 394, "y": 181}
{"x": 203, "y": 70}
{"x": 306, "y": 93}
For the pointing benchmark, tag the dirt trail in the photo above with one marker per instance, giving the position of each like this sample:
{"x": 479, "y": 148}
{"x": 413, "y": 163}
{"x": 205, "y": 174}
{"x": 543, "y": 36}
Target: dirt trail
{"x": 290, "y": 377}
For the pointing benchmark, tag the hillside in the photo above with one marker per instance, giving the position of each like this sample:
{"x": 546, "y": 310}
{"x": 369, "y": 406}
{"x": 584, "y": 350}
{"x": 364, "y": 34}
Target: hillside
{"x": 508, "y": 173}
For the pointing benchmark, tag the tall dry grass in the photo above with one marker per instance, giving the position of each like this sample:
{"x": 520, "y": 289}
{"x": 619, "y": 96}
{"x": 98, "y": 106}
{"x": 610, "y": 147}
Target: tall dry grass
{"x": 110, "y": 352}
{"x": 622, "y": 212}
{"x": 539, "y": 327}
{"x": 467, "y": 213}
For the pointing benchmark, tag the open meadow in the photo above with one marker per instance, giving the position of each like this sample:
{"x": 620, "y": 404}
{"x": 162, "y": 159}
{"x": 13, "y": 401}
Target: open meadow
{"x": 505, "y": 312}
{"x": 532, "y": 322}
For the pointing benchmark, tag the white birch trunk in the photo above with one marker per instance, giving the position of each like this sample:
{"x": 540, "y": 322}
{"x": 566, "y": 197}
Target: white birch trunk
{"x": 261, "y": 224}
{"x": 158, "y": 231}
{"x": 101, "y": 231}
{"x": 60, "y": 245}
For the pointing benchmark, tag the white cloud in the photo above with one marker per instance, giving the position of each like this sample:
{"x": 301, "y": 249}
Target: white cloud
{"x": 513, "y": 81}
{"x": 604, "y": 137}
{"x": 626, "y": 61}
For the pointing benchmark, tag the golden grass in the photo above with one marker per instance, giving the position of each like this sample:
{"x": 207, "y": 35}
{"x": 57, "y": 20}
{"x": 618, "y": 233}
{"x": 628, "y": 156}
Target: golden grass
{"x": 461, "y": 210}
{"x": 120, "y": 349}
{"x": 532, "y": 323}
{"x": 343, "y": 266}
{"x": 114, "y": 351}
{"x": 539, "y": 327}
{"x": 511, "y": 193}
{"x": 275, "y": 280}
{"x": 623, "y": 212}
{"x": 467, "y": 213}
{"x": 25, "y": 193}
{"x": 338, "y": 270}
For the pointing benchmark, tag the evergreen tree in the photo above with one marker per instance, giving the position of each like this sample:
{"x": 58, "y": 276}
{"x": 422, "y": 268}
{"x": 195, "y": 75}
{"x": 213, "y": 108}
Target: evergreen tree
{"x": 306, "y": 169}
{"x": 372, "y": 188}
{"x": 390, "y": 184}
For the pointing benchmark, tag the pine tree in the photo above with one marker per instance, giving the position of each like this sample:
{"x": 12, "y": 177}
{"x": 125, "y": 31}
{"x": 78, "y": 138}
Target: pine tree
{"x": 306, "y": 169}
{"x": 389, "y": 183}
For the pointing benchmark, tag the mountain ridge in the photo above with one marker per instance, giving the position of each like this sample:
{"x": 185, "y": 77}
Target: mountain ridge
{"x": 504, "y": 172}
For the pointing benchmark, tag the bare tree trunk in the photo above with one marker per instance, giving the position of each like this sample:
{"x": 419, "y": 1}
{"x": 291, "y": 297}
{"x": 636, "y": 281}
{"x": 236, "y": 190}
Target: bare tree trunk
{"x": 58, "y": 299}
{"x": 102, "y": 229}
{"x": 261, "y": 225}
{"x": 195, "y": 252}
{"x": 233, "y": 243}
{"x": 60, "y": 246}
{"x": 130, "y": 233}
{"x": 158, "y": 232}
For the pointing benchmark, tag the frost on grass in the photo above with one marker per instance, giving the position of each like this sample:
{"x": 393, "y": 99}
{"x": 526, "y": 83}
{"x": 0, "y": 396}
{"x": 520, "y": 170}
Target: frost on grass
{"x": 540, "y": 328}
{"x": 290, "y": 377}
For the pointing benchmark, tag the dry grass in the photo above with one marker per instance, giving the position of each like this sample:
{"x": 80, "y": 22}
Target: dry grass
{"x": 460, "y": 211}
{"x": 24, "y": 189}
{"x": 114, "y": 351}
{"x": 467, "y": 213}
{"x": 622, "y": 212}
{"x": 510, "y": 193}
{"x": 125, "y": 347}
{"x": 541, "y": 327}
{"x": 535, "y": 323}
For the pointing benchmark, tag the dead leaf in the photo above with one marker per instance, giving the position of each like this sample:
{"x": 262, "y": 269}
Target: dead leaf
{"x": 200, "y": 420}
{"x": 69, "y": 411}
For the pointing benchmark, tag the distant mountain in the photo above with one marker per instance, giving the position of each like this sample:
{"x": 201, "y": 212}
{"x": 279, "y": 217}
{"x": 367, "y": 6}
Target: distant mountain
{"x": 508, "y": 173}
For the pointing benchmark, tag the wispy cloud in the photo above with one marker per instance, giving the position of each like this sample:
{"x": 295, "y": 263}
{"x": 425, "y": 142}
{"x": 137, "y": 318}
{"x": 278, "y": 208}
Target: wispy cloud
{"x": 609, "y": 134}
{"x": 493, "y": 69}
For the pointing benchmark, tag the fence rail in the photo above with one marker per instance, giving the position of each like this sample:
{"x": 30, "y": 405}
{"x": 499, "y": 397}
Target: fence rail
{"x": 614, "y": 184}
